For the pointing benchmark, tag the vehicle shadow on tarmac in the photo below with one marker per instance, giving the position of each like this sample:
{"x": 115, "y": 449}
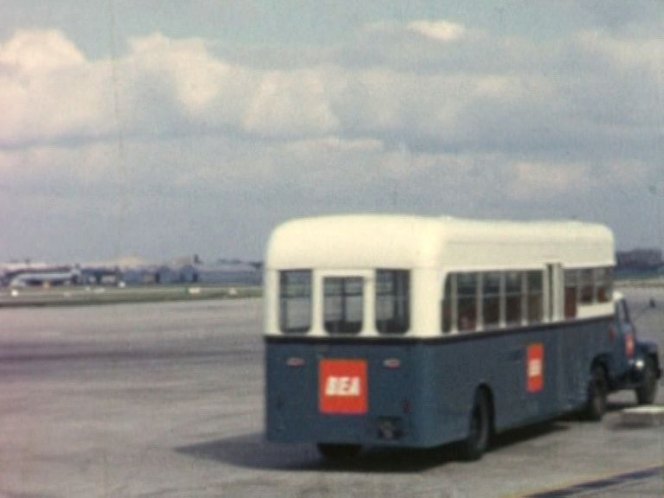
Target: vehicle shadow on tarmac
{"x": 253, "y": 451}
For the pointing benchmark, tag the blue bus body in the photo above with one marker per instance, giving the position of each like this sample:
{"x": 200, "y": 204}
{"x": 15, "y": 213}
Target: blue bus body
{"x": 425, "y": 400}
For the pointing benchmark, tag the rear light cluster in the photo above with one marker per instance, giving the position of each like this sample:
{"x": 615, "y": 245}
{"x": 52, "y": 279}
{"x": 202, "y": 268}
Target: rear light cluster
{"x": 294, "y": 361}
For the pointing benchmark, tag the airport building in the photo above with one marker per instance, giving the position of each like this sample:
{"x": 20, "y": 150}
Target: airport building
{"x": 639, "y": 260}
{"x": 192, "y": 271}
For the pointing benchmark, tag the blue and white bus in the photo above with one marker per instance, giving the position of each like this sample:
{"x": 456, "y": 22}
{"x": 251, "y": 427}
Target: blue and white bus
{"x": 415, "y": 332}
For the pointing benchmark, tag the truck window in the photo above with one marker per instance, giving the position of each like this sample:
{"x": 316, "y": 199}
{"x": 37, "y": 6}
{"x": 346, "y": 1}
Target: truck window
{"x": 622, "y": 312}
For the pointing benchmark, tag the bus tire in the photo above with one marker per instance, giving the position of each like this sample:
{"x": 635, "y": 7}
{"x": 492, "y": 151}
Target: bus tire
{"x": 647, "y": 391}
{"x": 597, "y": 393}
{"x": 477, "y": 441}
{"x": 338, "y": 452}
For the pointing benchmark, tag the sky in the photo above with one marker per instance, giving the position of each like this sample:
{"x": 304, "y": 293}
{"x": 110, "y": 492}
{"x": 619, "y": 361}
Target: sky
{"x": 160, "y": 129}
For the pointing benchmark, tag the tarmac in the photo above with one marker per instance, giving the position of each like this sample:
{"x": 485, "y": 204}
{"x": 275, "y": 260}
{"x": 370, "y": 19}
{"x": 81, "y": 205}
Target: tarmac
{"x": 166, "y": 400}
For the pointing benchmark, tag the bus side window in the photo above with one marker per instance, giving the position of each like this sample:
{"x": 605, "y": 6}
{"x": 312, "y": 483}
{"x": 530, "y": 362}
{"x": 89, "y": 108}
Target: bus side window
{"x": 587, "y": 286}
{"x": 491, "y": 299}
{"x": 604, "y": 283}
{"x": 448, "y": 303}
{"x": 571, "y": 284}
{"x": 513, "y": 313}
{"x": 295, "y": 301}
{"x": 535, "y": 296}
{"x": 467, "y": 301}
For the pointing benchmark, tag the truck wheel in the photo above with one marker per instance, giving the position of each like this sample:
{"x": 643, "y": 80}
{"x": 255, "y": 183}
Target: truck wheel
{"x": 338, "y": 452}
{"x": 477, "y": 442}
{"x": 597, "y": 393}
{"x": 647, "y": 391}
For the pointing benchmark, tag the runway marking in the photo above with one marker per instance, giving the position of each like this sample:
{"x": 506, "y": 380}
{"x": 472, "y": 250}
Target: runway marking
{"x": 600, "y": 484}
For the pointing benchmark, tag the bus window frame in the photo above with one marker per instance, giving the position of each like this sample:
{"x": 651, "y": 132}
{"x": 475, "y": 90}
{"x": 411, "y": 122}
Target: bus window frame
{"x": 396, "y": 274}
{"x": 283, "y": 299}
{"x": 571, "y": 280}
{"x": 478, "y": 303}
{"x": 523, "y": 273}
{"x": 603, "y": 280}
{"x": 587, "y": 290}
{"x": 499, "y": 321}
{"x": 507, "y": 295}
{"x": 449, "y": 302}
{"x": 368, "y": 301}
{"x": 600, "y": 277}
{"x": 530, "y": 294}
{"x": 344, "y": 294}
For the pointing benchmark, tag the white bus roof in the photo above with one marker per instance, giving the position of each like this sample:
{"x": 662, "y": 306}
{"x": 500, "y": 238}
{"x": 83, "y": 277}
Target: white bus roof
{"x": 400, "y": 241}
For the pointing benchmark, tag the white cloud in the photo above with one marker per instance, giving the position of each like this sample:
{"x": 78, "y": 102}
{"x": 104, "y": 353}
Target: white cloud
{"x": 39, "y": 51}
{"x": 290, "y": 103}
{"x": 197, "y": 76}
{"x": 167, "y": 86}
{"x": 413, "y": 121}
{"x": 444, "y": 31}
{"x": 48, "y": 90}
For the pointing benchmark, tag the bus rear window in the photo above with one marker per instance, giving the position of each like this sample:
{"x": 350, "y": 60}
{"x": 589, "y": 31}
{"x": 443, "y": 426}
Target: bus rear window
{"x": 392, "y": 301}
{"x": 295, "y": 301}
{"x": 343, "y": 304}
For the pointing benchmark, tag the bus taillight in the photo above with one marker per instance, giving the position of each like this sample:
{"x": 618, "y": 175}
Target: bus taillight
{"x": 295, "y": 362}
{"x": 392, "y": 363}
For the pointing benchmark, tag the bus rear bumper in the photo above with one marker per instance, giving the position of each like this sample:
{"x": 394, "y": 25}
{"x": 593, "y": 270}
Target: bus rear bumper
{"x": 371, "y": 431}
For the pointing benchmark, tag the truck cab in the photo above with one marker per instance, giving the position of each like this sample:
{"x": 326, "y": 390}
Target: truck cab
{"x": 633, "y": 363}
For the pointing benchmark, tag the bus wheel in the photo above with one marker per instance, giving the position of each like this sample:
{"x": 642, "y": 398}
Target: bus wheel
{"x": 338, "y": 452}
{"x": 597, "y": 393}
{"x": 477, "y": 441}
{"x": 646, "y": 392}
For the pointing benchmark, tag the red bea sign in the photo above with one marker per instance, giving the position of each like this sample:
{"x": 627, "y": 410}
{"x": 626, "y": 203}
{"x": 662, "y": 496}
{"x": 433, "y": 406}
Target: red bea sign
{"x": 535, "y": 368}
{"x": 343, "y": 387}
